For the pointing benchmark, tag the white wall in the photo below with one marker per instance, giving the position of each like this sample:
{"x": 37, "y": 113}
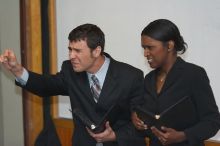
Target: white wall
{"x": 11, "y": 118}
{"x": 123, "y": 20}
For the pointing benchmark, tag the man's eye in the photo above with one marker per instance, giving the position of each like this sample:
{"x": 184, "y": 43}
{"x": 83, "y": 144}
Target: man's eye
{"x": 78, "y": 50}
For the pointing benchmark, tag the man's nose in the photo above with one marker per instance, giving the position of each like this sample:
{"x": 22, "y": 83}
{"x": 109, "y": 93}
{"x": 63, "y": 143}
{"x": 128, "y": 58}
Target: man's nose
{"x": 72, "y": 55}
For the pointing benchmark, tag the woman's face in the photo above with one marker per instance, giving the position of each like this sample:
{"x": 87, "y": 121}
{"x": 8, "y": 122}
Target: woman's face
{"x": 155, "y": 51}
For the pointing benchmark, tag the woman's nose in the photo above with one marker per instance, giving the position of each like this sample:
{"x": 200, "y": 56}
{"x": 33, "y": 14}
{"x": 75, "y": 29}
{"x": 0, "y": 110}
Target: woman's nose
{"x": 146, "y": 52}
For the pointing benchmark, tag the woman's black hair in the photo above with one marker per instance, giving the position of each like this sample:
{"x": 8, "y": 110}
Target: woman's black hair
{"x": 164, "y": 30}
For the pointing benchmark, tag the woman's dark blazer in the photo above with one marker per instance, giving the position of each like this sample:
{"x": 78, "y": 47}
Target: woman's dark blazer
{"x": 123, "y": 85}
{"x": 185, "y": 79}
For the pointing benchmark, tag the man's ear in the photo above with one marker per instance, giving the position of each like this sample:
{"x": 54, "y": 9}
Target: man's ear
{"x": 170, "y": 45}
{"x": 97, "y": 51}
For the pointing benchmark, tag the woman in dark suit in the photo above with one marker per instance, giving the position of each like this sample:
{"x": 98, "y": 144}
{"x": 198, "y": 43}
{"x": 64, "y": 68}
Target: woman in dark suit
{"x": 172, "y": 80}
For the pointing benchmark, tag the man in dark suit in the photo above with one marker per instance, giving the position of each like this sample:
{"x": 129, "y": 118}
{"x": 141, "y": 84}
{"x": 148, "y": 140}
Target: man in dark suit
{"x": 115, "y": 83}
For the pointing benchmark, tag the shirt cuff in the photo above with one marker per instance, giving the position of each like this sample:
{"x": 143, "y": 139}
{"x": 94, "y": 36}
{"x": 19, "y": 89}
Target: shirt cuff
{"x": 23, "y": 78}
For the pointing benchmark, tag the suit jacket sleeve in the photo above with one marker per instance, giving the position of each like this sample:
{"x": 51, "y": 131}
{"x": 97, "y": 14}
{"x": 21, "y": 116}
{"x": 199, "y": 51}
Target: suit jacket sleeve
{"x": 127, "y": 134}
{"x": 46, "y": 85}
{"x": 137, "y": 91}
{"x": 208, "y": 114}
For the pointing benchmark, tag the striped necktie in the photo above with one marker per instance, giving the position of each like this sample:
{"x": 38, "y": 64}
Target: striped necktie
{"x": 95, "y": 88}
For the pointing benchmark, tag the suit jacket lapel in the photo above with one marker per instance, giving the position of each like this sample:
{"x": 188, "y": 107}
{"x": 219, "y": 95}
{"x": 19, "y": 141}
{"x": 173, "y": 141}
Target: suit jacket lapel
{"x": 83, "y": 83}
{"x": 108, "y": 88}
{"x": 110, "y": 85}
{"x": 152, "y": 84}
{"x": 173, "y": 74}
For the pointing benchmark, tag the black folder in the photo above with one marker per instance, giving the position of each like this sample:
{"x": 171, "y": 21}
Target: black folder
{"x": 110, "y": 116}
{"x": 181, "y": 114}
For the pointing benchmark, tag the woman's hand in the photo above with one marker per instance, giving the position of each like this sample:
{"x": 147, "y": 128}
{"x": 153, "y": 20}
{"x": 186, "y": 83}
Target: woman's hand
{"x": 107, "y": 135}
{"x": 137, "y": 122}
{"x": 168, "y": 135}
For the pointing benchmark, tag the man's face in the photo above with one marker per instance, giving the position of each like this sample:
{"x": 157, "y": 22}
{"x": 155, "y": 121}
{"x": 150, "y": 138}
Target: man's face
{"x": 155, "y": 51}
{"x": 81, "y": 56}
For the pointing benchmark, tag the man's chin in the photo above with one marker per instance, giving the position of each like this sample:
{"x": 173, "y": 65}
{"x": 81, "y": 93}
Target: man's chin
{"x": 77, "y": 69}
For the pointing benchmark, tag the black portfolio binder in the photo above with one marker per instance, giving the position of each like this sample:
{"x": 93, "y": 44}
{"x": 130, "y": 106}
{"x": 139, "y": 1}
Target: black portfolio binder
{"x": 181, "y": 114}
{"x": 110, "y": 116}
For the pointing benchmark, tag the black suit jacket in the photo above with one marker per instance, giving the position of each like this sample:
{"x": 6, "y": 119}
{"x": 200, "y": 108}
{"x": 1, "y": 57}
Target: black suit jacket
{"x": 123, "y": 85}
{"x": 185, "y": 79}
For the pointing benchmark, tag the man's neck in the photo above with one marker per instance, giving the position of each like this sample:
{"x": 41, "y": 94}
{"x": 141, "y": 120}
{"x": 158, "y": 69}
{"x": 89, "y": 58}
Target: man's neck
{"x": 97, "y": 64}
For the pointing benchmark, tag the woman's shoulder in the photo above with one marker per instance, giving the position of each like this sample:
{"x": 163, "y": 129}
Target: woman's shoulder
{"x": 192, "y": 67}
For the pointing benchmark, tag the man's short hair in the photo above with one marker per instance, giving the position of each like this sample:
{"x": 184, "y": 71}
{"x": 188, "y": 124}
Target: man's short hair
{"x": 90, "y": 33}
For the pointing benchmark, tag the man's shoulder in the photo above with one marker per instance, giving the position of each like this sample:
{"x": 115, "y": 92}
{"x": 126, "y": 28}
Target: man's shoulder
{"x": 66, "y": 64}
{"x": 125, "y": 67}
{"x": 67, "y": 67}
{"x": 122, "y": 66}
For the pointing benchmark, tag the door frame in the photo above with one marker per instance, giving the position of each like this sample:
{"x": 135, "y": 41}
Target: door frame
{"x": 31, "y": 58}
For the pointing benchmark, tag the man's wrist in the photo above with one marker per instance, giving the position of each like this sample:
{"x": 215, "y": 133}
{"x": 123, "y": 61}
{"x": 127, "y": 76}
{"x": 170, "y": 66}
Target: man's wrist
{"x": 23, "y": 78}
{"x": 113, "y": 136}
{"x": 182, "y": 136}
{"x": 17, "y": 71}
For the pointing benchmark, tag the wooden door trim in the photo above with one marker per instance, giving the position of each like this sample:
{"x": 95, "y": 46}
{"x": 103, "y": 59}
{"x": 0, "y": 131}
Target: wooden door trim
{"x": 31, "y": 54}
{"x": 53, "y": 51}
{"x": 31, "y": 59}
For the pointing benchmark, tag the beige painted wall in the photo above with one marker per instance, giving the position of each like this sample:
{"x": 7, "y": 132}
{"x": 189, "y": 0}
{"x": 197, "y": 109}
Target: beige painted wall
{"x": 11, "y": 118}
{"x": 122, "y": 22}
